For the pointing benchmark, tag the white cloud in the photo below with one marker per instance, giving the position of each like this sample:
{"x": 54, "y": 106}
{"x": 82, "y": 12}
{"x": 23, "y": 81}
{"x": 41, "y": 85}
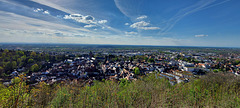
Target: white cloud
{"x": 88, "y": 19}
{"x": 102, "y": 21}
{"x": 149, "y": 28}
{"x": 126, "y": 24}
{"x": 201, "y": 35}
{"x": 38, "y": 10}
{"x": 89, "y": 26}
{"x": 142, "y": 17}
{"x": 139, "y": 24}
{"x": 143, "y": 25}
{"x": 81, "y": 18}
{"x": 41, "y": 10}
{"x": 35, "y": 26}
{"x": 131, "y": 33}
{"x": 46, "y": 12}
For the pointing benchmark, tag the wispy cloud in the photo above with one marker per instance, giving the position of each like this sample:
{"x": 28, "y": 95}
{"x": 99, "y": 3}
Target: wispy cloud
{"x": 89, "y": 26}
{"x": 42, "y": 11}
{"x": 81, "y": 18}
{"x": 131, "y": 10}
{"x": 91, "y": 21}
{"x": 102, "y": 21}
{"x": 53, "y": 5}
{"x": 18, "y": 22}
{"x": 200, "y": 5}
{"x": 131, "y": 33}
{"x": 142, "y": 17}
{"x": 38, "y": 10}
{"x": 73, "y": 21}
{"x": 139, "y": 24}
{"x": 143, "y": 25}
{"x": 150, "y": 28}
{"x": 201, "y": 35}
{"x": 59, "y": 34}
{"x": 129, "y": 7}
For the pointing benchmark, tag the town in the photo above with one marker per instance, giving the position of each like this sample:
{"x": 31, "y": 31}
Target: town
{"x": 176, "y": 66}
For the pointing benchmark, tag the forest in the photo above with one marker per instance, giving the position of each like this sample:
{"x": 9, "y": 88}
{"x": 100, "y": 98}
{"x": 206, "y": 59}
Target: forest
{"x": 27, "y": 61}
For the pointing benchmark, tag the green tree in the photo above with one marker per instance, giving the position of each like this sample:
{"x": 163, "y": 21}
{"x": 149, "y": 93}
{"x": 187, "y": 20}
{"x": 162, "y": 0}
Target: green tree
{"x": 136, "y": 71}
{"x": 30, "y": 60}
{"x": 151, "y": 60}
{"x": 19, "y": 60}
{"x": 8, "y": 67}
{"x": 33, "y": 54}
{"x": 3, "y": 55}
{"x": 1, "y": 71}
{"x": 46, "y": 57}
{"x": 21, "y": 53}
{"x": 14, "y": 64}
{"x": 23, "y": 58}
{"x": 145, "y": 58}
{"x": 34, "y": 68}
{"x": 6, "y": 51}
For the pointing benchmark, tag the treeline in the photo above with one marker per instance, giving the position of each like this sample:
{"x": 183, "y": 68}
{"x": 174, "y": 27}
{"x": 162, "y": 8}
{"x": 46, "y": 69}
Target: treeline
{"x": 215, "y": 90}
{"x": 28, "y": 61}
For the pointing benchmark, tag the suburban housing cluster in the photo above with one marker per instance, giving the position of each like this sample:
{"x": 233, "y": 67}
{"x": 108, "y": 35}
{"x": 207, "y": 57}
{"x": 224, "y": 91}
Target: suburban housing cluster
{"x": 176, "y": 66}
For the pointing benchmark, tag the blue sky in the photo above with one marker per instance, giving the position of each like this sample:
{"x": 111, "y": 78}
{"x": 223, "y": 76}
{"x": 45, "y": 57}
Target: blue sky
{"x": 124, "y": 22}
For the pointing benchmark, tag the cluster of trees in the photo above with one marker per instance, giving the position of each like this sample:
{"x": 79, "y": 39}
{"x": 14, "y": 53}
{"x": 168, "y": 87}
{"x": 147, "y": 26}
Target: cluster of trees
{"x": 235, "y": 62}
{"x": 31, "y": 61}
{"x": 215, "y": 90}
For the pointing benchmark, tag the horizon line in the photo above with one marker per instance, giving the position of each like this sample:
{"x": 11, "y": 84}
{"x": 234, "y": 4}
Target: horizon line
{"x": 115, "y": 45}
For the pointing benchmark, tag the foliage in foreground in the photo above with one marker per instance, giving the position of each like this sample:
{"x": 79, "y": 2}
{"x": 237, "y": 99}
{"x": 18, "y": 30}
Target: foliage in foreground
{"x": 209, "y": 91}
